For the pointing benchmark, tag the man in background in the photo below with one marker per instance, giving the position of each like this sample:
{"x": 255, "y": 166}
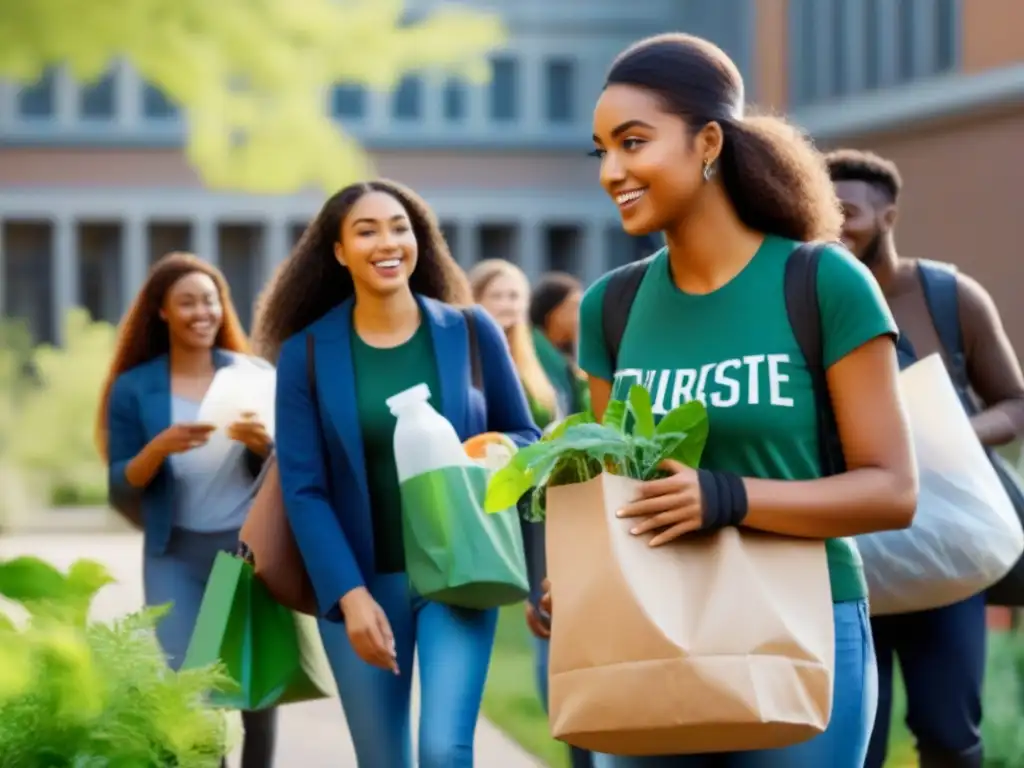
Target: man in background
{"x": 941, "y": 652}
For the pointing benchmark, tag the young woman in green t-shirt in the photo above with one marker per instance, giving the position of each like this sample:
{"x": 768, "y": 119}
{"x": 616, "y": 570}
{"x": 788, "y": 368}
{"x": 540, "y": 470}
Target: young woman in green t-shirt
{"x": 734, "y": 196}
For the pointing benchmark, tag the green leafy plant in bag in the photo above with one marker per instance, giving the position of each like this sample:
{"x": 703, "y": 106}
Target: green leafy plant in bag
{"x": 628, "y": 442}
{"x": 76, "y": 694}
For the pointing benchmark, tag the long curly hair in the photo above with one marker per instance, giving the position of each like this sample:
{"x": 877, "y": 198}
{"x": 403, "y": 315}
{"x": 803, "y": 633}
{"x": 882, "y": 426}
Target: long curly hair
{"x": 143, "y": 335}
{"x": 520, "y": 339}
{"x": 311, "y": 282}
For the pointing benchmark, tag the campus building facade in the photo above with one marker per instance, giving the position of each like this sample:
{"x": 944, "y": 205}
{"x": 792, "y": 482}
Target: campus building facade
{"x": 94, "y": 184}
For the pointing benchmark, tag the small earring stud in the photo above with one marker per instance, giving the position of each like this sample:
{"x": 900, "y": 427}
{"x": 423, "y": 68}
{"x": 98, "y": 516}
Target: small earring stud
{"x": 708, "y": 171}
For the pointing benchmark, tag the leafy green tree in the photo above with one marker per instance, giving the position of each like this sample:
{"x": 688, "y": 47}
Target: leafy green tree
{"x": 253, "y": 77}
{"x": 52, "y": 427}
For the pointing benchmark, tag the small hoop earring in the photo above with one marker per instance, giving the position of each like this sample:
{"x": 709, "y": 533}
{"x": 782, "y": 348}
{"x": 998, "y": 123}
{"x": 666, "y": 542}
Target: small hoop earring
{"x": 708, "y": 171}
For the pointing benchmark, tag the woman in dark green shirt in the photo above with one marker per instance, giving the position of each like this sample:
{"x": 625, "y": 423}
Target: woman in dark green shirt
{"x": 734, "y": 196}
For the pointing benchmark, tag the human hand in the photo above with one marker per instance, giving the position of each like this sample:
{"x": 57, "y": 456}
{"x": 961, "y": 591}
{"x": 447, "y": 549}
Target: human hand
{"x": 670, "y": 505}
{"x": 179, "y": 438}
{"x": 536, "y": 623}
{"x": 252, "y": 434}
{"x": 369, "y": 630}
{"x": 545, "y": 600}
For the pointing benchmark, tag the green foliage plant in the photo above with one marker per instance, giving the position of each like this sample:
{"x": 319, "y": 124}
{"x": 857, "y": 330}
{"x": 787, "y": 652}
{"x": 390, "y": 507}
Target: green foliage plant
{"x": 81, "y": 694}
{"x": 628, "y": 442}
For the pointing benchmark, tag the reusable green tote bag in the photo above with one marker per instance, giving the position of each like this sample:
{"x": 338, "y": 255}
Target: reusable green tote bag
{"x": 274, "y": 656}
{"x": 455, "y": 553}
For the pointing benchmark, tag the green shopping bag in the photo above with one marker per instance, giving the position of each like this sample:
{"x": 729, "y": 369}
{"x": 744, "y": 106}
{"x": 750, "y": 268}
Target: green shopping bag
{"x": 455, "y": 553}
{"x": 274, "y": 656}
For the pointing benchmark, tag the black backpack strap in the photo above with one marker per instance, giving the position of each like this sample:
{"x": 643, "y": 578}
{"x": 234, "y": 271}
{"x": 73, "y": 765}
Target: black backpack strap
{"x": 619, "y": 294}
{"x": 801, "y": 289}
{"x": 939, "y": 283}
{"x": 475, "y": 366}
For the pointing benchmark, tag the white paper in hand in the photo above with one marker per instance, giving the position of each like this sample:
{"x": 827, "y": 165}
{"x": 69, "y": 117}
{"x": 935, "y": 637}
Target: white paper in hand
{"x": 237, "y": 390}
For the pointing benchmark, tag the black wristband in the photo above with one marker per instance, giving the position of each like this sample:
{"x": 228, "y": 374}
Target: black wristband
{"x": 723, "y": 498}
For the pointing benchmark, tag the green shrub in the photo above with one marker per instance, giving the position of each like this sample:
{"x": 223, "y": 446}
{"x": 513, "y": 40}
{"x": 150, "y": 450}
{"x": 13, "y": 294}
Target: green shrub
{"x": 1003, "y": 726}
{"x": 49, "y": 432}
{"x": 89, "y": 695}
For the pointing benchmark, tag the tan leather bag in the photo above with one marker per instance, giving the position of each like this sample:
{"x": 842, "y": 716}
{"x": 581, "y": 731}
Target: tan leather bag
{"x": 266, "y": 538}
{"x": 269, "y": 544}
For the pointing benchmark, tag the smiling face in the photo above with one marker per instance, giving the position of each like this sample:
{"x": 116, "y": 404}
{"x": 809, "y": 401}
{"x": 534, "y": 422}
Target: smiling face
{"x": 193, "y": 311}
{"x": 506, "y": 299}
{"x": 377, "y": 244}
{"x": 651, "y": 163}
{"x": 867, "y": 216}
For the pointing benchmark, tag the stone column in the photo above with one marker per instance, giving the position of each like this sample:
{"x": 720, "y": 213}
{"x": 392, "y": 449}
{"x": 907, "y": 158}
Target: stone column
{"x": 65, "y": 282}
{"x": 134, "y": 258}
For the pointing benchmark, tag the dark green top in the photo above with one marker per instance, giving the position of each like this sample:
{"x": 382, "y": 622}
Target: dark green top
{"x": 734, "y": 350}
{"x": 569, "y": 388}
{"x": 379, "y": 374}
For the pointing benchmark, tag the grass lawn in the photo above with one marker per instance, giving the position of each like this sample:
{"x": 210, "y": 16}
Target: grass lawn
{"x": 511, "y": 701}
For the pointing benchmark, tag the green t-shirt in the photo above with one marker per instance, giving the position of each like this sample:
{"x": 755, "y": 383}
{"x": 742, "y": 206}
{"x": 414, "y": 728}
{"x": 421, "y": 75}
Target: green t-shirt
{"x": 379, "y": 374}
{"x": 570, "y": 388}
{"x": 734, "y": 350}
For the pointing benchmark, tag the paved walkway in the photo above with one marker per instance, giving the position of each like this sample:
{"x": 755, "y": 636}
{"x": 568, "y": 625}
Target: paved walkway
{"x": 312, "y": 735}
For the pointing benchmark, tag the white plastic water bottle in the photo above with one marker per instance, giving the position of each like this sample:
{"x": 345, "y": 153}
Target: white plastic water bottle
{"x": 424, "y": 439}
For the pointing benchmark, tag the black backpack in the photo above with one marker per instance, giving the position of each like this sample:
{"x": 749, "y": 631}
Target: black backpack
{"x": 939, "y": 283}
{"x": 801, "y": 287}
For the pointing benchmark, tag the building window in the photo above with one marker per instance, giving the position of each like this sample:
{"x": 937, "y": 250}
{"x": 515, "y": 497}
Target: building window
{"x": 156, "y": 105}
{"x": 454, "y": 96}
{"x": 947, "y": 21}
{"x": 168, "y": 237}
{"x": 895, "y": 42}
{"x": 348, "y": 101}
{"x": 504, "y": 89}
{"x": 622, "y": 248}
{"x": 498, "y": 241}
{"x": 872, "y": 46}
{"x": 239, "y": 252}
{"x": 408, "y": 99}
{"x": 906, "y": 51}
{"x": 561, "y": 91}
{"x": 27, "y": 278}
{"x": 450, "y": 232}
{"x": 38, "y": 101}
{"x": 98, "y": 101}
{"x": 99, "y": 270}
{"x": 564, "y": 246}
{"x": 298, "y": 229}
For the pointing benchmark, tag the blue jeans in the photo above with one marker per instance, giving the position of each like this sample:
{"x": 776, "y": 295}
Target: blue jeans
{"x": 578, "y": 758}
{"x": 942, "y": 657}
{"x": 179, "y": 577}
{"x": 454, "y": 648}
{"x": 844, "y": 743}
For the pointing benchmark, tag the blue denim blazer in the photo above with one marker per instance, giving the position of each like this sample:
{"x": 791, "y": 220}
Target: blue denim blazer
{"x": 332, "y": 520}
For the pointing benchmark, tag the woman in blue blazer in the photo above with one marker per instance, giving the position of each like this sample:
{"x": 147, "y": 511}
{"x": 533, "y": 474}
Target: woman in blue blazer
{"x": 173, "y": 476}
{"x": 373, "y": 284}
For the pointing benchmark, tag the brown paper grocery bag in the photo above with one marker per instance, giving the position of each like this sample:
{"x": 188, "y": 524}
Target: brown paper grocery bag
{"x": 713, "y": 643}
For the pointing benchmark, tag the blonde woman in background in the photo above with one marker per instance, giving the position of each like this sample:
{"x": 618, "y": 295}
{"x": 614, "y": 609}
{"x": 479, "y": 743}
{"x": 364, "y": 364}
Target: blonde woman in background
{"x": 503, "y": 289}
